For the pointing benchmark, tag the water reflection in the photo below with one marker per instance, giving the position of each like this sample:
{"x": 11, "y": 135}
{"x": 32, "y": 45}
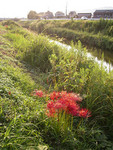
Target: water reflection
{"x": 108, "y": 55}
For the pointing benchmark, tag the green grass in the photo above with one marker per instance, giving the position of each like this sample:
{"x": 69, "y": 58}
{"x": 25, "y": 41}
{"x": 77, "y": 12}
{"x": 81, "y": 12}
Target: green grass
{"x": 17, "y": 107}
{"x": 98, "y": 34}
{"x": 29, "y": 61}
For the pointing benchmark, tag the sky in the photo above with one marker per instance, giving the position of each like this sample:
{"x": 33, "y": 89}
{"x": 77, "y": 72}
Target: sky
{"x": 21, "y": 8}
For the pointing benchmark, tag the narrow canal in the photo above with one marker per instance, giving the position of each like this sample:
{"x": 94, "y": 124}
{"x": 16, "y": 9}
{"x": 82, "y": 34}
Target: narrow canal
{"x": 97, "y": 56}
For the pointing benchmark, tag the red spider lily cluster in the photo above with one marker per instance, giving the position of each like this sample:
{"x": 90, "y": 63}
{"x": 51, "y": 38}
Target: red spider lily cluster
{"x": 66, "y": 102}
{"x": 63, "y": 102}
{"x": 6, "y": 26}
{"x": 37, "y": 93}
{"x": 9, "y": 92}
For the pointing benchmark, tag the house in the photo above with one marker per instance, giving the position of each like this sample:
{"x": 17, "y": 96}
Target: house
{"x": 103, "y": 14}
{"x": 59, "y": 14}
{"x": 72, "y": 14}
{"x": 41, "y": 14}
{"x": 88, "y": 15}
{"x": 45, "y": 15}
{"x": 48, "y": 15}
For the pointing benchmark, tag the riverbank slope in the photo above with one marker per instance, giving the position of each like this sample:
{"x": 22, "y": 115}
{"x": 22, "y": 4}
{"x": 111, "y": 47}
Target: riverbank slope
{"x": 98, "y": 34}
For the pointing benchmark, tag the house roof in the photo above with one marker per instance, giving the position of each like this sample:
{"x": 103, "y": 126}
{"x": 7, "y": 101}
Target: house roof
{"x": 84, "y": 13}
{"x": 72, "y": 12}
{"x": 48, "y": 12}
{"x": 104, "y": 10}
{"x": 59, "y": 12}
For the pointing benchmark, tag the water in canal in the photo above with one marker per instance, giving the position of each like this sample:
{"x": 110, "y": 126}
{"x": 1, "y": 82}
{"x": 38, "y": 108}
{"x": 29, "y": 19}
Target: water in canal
{"x": 96, "y": 55}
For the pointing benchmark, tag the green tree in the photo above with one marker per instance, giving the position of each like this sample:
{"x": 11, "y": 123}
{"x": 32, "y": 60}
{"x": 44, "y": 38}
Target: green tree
{"x": 32, "y": 15}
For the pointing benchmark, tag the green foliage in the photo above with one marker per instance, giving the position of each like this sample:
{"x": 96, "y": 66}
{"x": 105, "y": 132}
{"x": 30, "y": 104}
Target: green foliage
{"x": 92, "y": 40}
{"x": 75, "y": 72}
{"x": 90, "y": 26}
{"x": 38, "y": 26}
{"x": 10, "y": 23}
{"x": 33, "y": 15}
{"x": 35, "y": 50}
{"x": 38, "y": 55}
{"x": 100, "y": 31}
{"x": 110, "y": 31}
{"x": 18, "y": 109}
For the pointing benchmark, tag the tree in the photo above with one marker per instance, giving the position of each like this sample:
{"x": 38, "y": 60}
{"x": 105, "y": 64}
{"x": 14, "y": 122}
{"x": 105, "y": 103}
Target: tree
{"x": 33, "y": 15}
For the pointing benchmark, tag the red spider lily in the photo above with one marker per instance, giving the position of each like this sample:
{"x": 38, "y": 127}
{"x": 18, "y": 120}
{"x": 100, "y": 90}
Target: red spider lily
{"x": 38, "y": 93}
{"x": 63, "y": 93}
{"x": 6, "y": 26}
{"x": 63, "y": 101}
{"x": 54, "y": 96}
{"x": 74, "y": 97}
{"x": 51, "y": 112}
{"x": 59, "y": 105}
{"x": 50, "y": 108}
{"x": 71, "y": 96}
{"x": 62, "y": 108}
{"x": 9, "y": 92}
{"x": 84, "y": 113}
{"x": 50, "y": 105}
{"x": 73, "y": 109}
{"x": 66, "y": 102}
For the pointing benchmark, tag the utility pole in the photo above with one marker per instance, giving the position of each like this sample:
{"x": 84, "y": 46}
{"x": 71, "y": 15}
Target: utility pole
{"x": 66, "y": 9}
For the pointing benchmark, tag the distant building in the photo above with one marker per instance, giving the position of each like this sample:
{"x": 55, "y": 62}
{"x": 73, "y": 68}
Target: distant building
{"x": 1, "y": 19}
{"x": 103, "y": 14}
{"x": 41, "y": 14}
{"x": 72, "y": 14}
{"x": 59, "y": 14}
{"x": 48, "y": 15}
{"x": 14, "y": 19}
{"x": 88, "y": 15}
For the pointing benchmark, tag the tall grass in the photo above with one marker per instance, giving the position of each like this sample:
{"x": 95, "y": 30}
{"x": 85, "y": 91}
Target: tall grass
{"x": 102, "y": 26}
{"x": 91, "y": 40}
{"x": 100, "y": 31}
{"x": 17, "y": 107}
{"x": 75, "y": 72}
{"x": 35, "y": 50}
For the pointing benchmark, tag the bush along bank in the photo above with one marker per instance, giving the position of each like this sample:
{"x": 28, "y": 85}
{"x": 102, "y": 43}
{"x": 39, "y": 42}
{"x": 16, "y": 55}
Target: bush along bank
{"x": 75, "y": 109}
{"x": 91, "y": 33}
{"x": 91, "y": 40}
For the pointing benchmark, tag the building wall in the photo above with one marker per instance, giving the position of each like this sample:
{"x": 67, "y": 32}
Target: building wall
{"x": 88, "y": 15}
{"x": 59, "y": 15}
{"x": 103, "y": 14}
{"x": 72, "y": 14}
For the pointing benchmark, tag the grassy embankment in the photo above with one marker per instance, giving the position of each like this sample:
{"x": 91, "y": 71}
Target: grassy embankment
{"x": 29, "y": 61}
{"x": 98, "y": 34}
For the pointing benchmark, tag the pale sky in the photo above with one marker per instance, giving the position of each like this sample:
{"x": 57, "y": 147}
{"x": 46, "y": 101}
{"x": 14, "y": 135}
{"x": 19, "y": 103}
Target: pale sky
{"x": 20, "y": 8}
